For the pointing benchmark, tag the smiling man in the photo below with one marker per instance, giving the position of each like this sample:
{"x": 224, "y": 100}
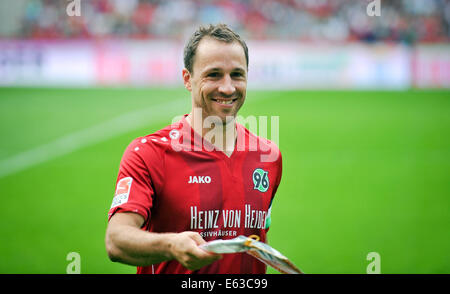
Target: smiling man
{"x": 189, "y": 183}
{"x": 216, "y": 64}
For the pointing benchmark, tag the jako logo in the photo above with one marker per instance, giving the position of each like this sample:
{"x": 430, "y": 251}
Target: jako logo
{"x": 199, "y": 180}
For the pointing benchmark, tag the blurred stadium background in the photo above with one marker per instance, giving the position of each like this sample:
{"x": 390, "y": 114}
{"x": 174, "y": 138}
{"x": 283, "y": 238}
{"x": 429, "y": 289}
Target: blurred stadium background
{"x": 364, "y": 111}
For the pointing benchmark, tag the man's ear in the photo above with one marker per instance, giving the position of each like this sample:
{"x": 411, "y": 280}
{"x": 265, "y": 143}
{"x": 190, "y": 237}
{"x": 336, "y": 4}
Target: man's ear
{"x": 187, "y": 79}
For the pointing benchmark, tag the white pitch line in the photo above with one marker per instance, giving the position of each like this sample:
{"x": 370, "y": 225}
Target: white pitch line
{"x": 92, "y": 135}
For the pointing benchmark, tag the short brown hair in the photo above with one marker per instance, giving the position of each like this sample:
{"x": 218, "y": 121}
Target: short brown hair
{"x": 220, "y": 32}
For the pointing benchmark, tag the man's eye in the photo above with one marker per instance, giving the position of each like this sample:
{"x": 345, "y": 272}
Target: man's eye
{"x": 237, "y": 74}
{"x": 213, "y": 74}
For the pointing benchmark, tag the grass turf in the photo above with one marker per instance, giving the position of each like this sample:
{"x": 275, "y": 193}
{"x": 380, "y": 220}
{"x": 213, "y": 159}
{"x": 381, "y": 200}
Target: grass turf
{"x": 363, "y": 171}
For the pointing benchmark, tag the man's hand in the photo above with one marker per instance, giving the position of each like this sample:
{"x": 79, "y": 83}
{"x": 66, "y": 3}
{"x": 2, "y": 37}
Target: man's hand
{"x": 126, "y": 242}
{"x": 185, "y": 249}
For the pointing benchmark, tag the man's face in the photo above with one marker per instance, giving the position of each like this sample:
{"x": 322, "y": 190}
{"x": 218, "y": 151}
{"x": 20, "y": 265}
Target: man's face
{"x": 219, "y": 80}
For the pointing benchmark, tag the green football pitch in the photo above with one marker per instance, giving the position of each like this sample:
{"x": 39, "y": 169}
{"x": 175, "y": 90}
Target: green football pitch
{"x": 363, "y": 171}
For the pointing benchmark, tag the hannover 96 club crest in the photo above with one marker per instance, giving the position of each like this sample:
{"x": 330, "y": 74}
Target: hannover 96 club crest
{"x": 260, "y": 180}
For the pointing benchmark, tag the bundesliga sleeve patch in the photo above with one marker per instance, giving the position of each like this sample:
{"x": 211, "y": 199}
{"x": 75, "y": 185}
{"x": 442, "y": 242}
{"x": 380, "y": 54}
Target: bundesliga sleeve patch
{"x": 122, "y": 192}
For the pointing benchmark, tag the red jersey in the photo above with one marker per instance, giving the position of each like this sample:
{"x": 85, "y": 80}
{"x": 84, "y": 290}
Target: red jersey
{"x": 178, "y": 182}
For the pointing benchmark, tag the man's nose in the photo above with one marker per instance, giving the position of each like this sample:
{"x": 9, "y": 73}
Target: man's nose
{"x": 226, "y": 86}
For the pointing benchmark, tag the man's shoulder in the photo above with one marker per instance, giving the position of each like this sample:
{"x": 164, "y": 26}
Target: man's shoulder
{"x": 165, "y": 135}
{"x": 264, "y": 144}
{"x": 157, "y": 141}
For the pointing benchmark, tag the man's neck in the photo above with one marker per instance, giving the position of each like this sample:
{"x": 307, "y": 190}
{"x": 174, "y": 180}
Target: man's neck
{"x": 222, "y": 135}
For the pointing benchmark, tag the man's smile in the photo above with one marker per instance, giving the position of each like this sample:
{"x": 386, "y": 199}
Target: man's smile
{"x": 223, "y": 101}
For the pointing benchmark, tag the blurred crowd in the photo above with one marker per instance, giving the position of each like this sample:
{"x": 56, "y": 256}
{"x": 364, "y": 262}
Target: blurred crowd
{"x": 407, "y": 21}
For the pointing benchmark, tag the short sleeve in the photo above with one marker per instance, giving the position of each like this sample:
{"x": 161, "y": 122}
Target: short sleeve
{"x": 279, "y": 168}
{"x": 134, "y": 189}
{"x": 280, "y": 172}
